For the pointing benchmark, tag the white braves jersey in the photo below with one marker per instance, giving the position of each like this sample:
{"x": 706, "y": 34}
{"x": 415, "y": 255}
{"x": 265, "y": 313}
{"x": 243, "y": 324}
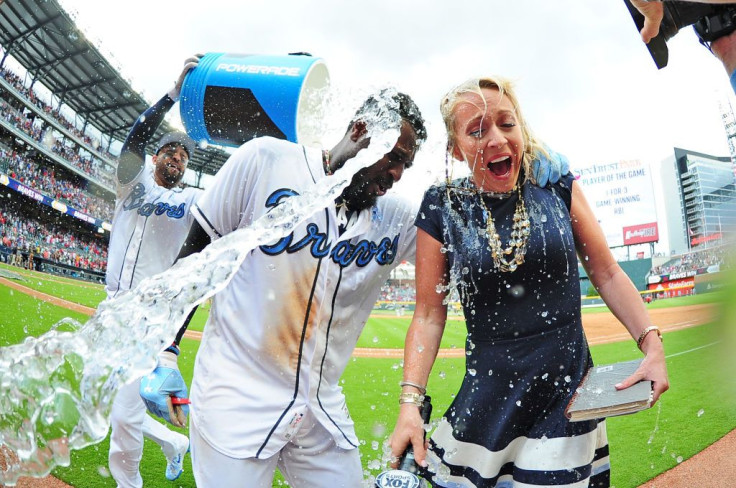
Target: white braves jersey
{"x": 149, "y": 227}
{"x": 281, "y": 333}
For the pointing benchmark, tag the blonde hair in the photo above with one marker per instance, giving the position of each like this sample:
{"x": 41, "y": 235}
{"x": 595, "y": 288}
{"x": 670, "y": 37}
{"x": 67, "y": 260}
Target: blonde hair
{"x": 505, "y": 87}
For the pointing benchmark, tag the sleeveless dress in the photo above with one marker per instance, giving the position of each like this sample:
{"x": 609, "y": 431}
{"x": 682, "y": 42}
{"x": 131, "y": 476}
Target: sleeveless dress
{"x": 526, "y": 352}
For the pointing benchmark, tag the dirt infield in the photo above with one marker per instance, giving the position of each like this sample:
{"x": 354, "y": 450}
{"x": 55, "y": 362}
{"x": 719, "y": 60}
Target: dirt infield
{"x": 713, "y": 467}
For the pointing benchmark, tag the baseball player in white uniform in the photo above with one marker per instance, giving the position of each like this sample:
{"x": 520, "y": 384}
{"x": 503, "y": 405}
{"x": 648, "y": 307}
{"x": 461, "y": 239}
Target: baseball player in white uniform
{"x": 151, "y": 221}
{"x": 265, "y": 392}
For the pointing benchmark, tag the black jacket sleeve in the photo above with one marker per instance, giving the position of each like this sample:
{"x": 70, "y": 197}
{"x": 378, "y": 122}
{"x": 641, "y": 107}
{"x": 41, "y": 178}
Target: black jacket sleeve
{"x": 133, "y": 152}
{"x": 196, "y": 241}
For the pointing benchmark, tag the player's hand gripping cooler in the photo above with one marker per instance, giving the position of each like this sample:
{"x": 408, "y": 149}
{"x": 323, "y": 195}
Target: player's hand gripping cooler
{"x": 164, "y": 391}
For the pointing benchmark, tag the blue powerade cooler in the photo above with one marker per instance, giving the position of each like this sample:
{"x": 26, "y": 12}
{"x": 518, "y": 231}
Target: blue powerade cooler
{"x": 229, "y": 99}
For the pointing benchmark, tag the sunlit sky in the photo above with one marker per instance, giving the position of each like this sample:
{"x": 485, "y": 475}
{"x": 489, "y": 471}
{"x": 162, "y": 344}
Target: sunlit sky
{"x": 587, "y": 83}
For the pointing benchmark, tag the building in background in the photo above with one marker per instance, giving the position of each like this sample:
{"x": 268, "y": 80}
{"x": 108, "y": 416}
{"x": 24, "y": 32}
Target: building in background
{"x": 700, "y": 199}
{"x": 698, "y": 220}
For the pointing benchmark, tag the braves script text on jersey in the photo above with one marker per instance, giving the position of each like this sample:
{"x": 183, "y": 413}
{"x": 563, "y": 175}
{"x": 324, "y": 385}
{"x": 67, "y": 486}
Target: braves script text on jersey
{"x": 149, "y": 227}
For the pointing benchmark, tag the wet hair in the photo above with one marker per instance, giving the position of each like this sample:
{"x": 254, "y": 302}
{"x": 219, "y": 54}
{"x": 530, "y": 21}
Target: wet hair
{"x": 408, "y": 111}
{"x": 505, "y": 87}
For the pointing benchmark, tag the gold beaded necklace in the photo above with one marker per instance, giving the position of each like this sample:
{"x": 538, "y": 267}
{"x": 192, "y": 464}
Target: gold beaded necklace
{"x": 519, "y": 236}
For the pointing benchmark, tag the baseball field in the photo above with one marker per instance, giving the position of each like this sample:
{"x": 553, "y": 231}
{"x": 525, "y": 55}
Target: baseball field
{"x": 699, "y": 409}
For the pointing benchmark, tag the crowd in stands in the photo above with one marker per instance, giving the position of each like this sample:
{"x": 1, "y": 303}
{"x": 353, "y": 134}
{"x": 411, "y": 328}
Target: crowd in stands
{"x": 394, "y": 291}
{"x": 91, "y": 167}
{"x": 24, "y": 238}
{"x": 45, "y": 180}
{"x": 692, "y": 261}
{"x": 15, "y": 81}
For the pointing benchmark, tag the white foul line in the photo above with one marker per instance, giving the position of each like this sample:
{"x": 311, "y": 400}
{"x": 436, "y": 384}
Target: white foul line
{"x": 691, "y": 350}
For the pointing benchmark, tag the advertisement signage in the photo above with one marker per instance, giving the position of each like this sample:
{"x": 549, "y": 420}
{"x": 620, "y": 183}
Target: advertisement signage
{"x": 621, "y": 195}
{"x": 639, "y": 234}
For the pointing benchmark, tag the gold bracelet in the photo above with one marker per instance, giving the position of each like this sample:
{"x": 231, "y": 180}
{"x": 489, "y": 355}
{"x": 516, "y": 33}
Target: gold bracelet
{"x": 422, "y": 389}
{"x": 414, "y": 398}
{"x": 647, "y": 331}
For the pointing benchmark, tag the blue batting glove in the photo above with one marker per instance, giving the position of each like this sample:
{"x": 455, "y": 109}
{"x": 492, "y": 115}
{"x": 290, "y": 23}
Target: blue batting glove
{"x": 164, "y": 391}
{"x": 549, "y": 170}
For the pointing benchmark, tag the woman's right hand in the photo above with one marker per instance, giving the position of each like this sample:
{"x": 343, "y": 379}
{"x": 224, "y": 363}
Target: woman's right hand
{"x": 409, "y": 429}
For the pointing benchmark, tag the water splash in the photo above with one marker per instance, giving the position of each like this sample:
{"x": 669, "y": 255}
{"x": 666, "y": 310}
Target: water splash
{"x": 56, "y": 390}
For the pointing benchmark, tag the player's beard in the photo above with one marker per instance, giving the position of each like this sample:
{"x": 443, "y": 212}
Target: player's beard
{"x": 359, "y": 195}
{"x": 171, "y": 175}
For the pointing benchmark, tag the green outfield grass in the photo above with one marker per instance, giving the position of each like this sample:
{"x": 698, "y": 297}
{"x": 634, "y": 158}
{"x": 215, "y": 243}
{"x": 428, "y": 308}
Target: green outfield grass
{"x": 76, "y": 291}
{"x": 698, "y": 410}
{"x": 81, "y": 292}
{"x": 390, "y": 332}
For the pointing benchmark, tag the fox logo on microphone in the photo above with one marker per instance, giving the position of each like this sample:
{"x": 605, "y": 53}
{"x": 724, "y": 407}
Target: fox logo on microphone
{"x": 397, "y": 479}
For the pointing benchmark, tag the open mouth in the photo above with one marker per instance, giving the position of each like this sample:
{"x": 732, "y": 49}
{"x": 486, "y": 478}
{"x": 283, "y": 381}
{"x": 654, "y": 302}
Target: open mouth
{"x": 500, "y": 166}
{"x": 382, "y": 189}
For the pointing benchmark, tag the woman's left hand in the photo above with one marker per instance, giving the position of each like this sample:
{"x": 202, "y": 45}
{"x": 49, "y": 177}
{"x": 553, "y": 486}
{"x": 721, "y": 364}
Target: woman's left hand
{"x": 653, "y": 368}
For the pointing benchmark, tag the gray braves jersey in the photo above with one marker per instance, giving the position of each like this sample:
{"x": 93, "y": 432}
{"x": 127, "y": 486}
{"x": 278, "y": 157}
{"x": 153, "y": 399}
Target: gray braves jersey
{"x": 149, "y": 227}
{"x": 280, "y": 334}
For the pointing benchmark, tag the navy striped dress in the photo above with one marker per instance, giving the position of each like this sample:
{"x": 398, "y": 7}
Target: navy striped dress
{"x": 526, "y": 351}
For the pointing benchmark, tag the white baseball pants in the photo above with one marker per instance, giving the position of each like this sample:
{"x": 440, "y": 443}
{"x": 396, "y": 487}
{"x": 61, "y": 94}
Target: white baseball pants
{"x": 311, "y": 459}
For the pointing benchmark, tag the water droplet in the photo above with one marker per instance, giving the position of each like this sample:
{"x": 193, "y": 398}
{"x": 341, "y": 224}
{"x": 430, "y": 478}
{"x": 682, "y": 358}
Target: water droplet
{"x": 517, "y": 291}
{"x": 379, "y": 429}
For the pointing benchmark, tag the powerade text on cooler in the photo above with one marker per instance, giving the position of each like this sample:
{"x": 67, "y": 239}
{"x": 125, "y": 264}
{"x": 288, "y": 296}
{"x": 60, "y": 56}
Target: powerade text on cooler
{"x": 229, "y": 99}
